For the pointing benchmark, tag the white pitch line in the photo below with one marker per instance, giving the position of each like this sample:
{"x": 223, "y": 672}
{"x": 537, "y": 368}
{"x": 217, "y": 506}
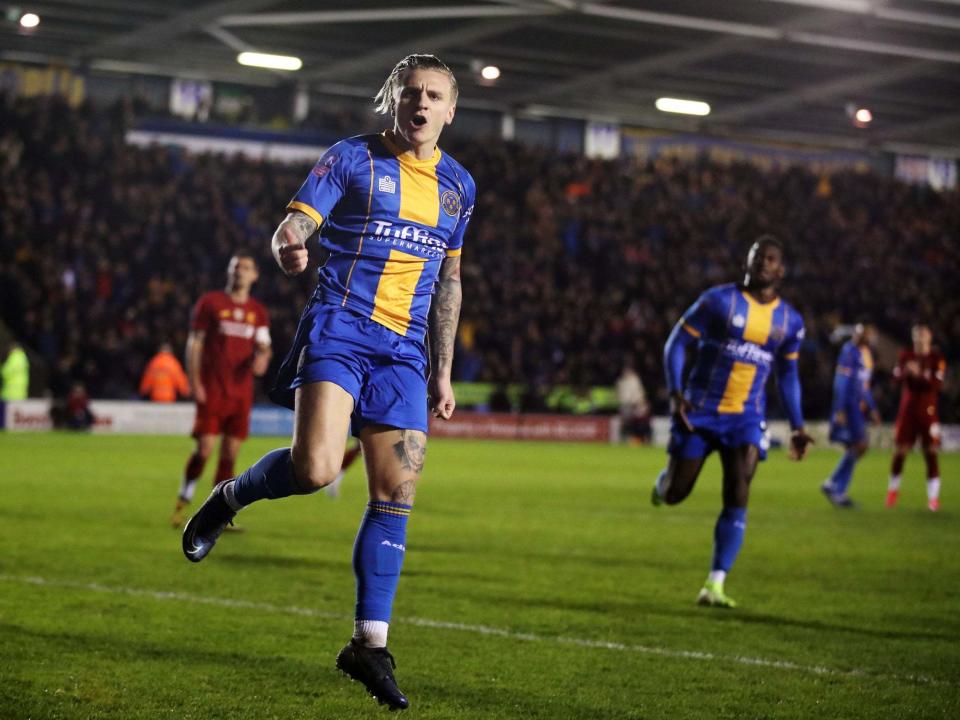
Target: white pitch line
{"x": 480, "y": 630}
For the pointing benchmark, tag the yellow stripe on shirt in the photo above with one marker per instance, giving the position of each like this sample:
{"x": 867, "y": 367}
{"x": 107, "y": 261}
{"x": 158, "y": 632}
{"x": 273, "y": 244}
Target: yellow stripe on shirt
{"x": 419, "y": 192}
{"x": 398, "y": 282}
{"x": 738, "y": 388}
{"x": 759, "y": 320}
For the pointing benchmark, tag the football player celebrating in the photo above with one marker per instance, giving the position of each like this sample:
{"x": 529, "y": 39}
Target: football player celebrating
{"x": 739, "y": 333}
{"x": 392, "y": 210}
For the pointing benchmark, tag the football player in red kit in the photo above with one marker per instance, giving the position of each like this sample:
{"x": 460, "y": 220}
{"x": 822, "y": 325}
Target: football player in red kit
{"x": 920, "y": 372}
{"x": 229, "y": 344}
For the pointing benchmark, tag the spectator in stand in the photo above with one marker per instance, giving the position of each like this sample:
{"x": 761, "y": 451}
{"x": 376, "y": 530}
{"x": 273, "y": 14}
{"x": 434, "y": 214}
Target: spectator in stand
{"x": 596, "y": 254}
{"x": 14, "y": 374}
{"x": 634, "y": 407}
{"x": 79, "y": 416}
{"x": 164, "y": 378}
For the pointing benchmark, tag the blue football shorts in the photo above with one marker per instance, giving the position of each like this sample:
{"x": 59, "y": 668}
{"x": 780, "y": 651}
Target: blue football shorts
{"x": 712, "y": 431}
{"x": 853, "y": 431}
{"x": 385, "y": 373}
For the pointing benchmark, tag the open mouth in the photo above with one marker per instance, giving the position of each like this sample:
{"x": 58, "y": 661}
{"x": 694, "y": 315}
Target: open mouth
{"x": 419, "y": 120}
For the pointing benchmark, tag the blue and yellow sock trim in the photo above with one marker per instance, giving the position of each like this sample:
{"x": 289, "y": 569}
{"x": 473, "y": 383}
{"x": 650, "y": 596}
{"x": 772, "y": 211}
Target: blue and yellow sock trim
{"x": 388, "y": 508}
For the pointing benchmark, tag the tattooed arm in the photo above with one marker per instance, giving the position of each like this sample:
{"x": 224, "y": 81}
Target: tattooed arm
{"x": 289, "y": 242}
{"x": 444, "y": 315}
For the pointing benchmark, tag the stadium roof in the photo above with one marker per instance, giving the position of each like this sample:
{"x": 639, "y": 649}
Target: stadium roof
{"x": 781, "y": 69}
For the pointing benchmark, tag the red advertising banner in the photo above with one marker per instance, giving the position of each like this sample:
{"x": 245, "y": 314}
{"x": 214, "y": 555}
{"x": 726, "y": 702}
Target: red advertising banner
{"x": 509, "y": 426}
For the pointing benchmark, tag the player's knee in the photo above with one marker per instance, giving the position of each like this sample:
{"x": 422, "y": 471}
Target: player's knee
{"x": 675, "y": 494}
{"x": 314, "y": 471}
{"x": 678, "y": 484}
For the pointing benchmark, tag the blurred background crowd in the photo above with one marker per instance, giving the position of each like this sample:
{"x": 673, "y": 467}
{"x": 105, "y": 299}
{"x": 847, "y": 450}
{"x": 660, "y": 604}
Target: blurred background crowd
{"x": 573, "y": 268}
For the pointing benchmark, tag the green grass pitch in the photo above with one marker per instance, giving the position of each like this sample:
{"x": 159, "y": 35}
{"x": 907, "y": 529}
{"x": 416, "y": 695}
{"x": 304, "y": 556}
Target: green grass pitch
{"x": 539, "y": 583}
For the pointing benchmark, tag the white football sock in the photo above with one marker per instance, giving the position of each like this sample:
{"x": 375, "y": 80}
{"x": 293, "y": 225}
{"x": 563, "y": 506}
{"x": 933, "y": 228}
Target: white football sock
{"x": 371, "y": 633}
{"x": 894, "y": 483}
{"x": 187, "y": 488}
{"x": 661, "y": 484}
{"x": 933, "y": 488}
{"x": 717, "y": 576}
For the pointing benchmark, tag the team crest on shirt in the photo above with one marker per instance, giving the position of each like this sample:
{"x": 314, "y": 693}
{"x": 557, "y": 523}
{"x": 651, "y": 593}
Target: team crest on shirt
{"x": 237, "y": 314}
{"x": 324, "y": 165}
{"x": 450, "y": 202}
{"x": 251, "y": 317}
{"x": 224, "y": 313}
{"x": 739, "y": 320}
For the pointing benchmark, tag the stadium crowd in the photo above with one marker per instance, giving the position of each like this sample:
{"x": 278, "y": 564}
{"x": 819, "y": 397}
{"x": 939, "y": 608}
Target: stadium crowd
{"x": 571, "y": 265}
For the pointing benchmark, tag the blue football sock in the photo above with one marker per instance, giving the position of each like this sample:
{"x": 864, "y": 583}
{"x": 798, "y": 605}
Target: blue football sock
{"x": 728, "y": 537}
{"x": 378, "y": 556}
{"x": 269, "y": 477}
{"x": 843, "y": 473}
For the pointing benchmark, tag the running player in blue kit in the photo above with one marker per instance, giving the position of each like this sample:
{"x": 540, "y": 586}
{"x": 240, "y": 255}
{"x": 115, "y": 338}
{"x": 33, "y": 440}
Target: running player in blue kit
{"x": 853, "y": 408}
{"x": 740, "y": 332}
{"x": 392, "y": 210}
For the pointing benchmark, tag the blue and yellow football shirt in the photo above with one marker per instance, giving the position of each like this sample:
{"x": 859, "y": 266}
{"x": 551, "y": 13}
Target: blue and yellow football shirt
{"x": 851, "y": 382}
{"x": 739, "y": 339}
{"x": 387, "y": 220}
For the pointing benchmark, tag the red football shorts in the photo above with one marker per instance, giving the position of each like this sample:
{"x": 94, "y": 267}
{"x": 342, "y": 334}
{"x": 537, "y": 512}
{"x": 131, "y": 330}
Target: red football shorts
{"x": 912, "y": 427}
{"x": 223, "y": 416}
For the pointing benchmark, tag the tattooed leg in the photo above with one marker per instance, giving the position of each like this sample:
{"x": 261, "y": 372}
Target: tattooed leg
{"x": 394, "y": 461}
{"x": 410, "y": 450}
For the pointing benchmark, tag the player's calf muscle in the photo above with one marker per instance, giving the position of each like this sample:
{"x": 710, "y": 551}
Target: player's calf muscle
{"x": 676, "y": 494}
{"x": 404, "y": 492}
{"x": 681, "y": 477}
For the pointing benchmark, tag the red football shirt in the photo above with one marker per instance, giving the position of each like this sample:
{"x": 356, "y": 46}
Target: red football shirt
{"x": 919, "y": 395}
{"x": 232, "y": 332}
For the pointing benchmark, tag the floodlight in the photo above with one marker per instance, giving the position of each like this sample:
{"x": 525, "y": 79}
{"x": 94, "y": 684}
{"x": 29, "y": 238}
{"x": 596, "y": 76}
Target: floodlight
{"x": 683, "y": 107}
{"x": 271, "y": 62}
